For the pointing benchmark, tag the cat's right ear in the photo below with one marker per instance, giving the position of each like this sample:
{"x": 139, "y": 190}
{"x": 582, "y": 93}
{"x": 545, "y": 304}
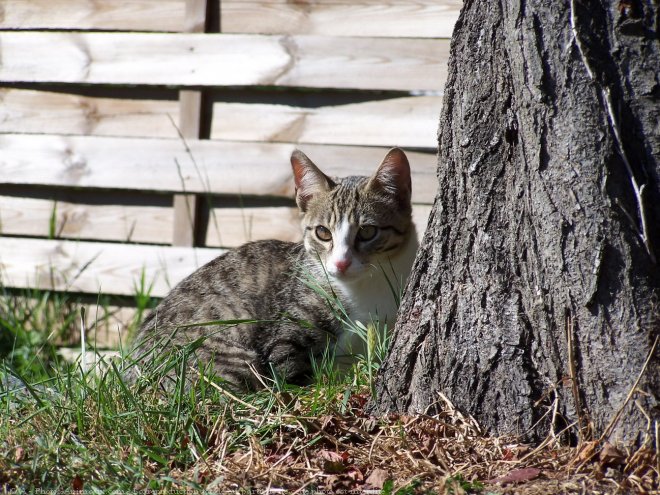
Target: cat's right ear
{"x": 308, "y": 178}
{"x": 393, "y": 176}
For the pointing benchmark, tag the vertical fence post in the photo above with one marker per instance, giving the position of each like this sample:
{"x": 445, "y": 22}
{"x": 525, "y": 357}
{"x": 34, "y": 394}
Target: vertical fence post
{"x": 186, "y": 206}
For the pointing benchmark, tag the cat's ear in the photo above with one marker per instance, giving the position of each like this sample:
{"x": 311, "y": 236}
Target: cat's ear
{"x": 308, "y": 178}
{"x": 393, "y": 176}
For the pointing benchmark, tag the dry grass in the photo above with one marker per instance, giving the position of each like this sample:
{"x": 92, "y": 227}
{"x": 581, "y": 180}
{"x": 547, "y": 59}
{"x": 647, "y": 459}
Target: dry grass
{"x": 63, "y": 428}
{"x": 446, "y": 453}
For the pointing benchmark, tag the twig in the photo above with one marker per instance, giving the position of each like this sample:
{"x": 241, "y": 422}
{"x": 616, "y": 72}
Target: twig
{"x": 373, "y": 443}
{"x": 637, "y": 189}
{"x": 606, "y": 95}
{"x": 572, "y": 371}
{"x": 578, "y": 43}
{"x": 552, "y": 435}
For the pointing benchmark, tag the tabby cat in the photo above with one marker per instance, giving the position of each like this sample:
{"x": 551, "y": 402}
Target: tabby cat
{"x": 359, "y": 244}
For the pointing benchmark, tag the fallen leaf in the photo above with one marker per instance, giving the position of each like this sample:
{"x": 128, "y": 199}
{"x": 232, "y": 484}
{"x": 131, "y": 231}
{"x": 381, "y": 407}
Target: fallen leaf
{"x": 517, "y": 476}
{"x": 377, "y": 478}
{"x": 77, "y": 484}
{"x": 611, "y": 456}
{"x": 355, "y": 474}
{"x": 358, "y": 401}
{"x": 332, "y": 462}
{"x": 587, "y": 451}
{"x": 370, "y": 424}
{"x": 326, "y": 421}
{"x": 508, "y": 455}
{"x": 356, "y": 434}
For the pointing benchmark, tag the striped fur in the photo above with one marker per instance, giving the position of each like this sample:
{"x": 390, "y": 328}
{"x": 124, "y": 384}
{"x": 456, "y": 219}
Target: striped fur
{"x": 357, "y": 235}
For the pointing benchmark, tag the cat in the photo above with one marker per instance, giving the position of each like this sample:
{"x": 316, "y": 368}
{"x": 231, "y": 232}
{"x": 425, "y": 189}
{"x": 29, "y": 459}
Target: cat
{"x": 359, "y": 244}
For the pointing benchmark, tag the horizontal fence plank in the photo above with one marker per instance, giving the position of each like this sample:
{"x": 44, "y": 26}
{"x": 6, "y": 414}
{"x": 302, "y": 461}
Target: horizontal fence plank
{"x": 184, "y": 59}
{"x": 400, "y": 18}
{"x": 408, "y": 121}
{"x": 261, "y": 169}
{"x": 230, "y": 227}
{"x": 93, "y": 267}
{"x": 45, "y": 112}
{"x": 60, "y": 219}
{"x": 227, "y": 227}
{"x": 124, "y": 15}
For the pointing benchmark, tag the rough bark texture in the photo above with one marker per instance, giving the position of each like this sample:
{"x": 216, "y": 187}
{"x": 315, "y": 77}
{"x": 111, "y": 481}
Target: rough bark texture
{"x": 534, "y": 300}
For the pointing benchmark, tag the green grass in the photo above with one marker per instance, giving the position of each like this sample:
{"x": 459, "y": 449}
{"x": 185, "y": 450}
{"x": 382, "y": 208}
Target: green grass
{"x": 65, "y": 428}
{"x": 62, "y": 426}
{"x": 68, "y": 426}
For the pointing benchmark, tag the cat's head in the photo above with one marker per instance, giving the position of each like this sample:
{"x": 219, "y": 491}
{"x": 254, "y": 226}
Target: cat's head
{"x": 354, "y": 224}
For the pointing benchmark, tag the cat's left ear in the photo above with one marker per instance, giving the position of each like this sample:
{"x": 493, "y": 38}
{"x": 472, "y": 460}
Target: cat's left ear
{"x": 393, "y": 176}
{"x": 308, "y": 178}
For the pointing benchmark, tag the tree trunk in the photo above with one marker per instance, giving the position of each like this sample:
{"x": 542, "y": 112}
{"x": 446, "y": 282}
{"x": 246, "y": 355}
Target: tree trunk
{"x": 533, "y": 302}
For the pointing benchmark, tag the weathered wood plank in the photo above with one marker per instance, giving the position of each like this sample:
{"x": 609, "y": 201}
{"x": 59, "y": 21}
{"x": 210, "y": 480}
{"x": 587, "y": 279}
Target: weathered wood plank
{"x": 190, "y": 112}
{"x": 396, "y": 18}
{"x": 93, "y": 267}
{"x": 165, "y": 165}
{"x": 227, "y": 227}
{"x": 184, "y": 59}
{"x": 125, "y": 15}
{"x": 46, "y": 218}
{"x": 400, "y": 18}
{"x": 44, "y": 112}
{"x": 230, "y": 227}
{"x": 408, "y": 121}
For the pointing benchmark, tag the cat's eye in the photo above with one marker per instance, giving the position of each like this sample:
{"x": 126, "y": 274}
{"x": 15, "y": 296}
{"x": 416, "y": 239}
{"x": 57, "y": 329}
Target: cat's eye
{"x": 323, "y": 233}
{"x": 367, "y": 232}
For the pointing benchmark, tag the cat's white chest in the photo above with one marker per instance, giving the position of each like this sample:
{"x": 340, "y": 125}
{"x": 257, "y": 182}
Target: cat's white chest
{"x": 372, "y": 299}
{"x": 375, "y": 298}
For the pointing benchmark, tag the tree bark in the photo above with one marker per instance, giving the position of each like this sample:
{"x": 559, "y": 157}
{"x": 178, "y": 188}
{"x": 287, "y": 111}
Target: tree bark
{"x": 533, "y": 303}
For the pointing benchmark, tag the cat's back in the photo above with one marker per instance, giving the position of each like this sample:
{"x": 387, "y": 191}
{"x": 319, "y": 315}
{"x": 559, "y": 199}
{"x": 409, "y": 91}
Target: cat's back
{"x": 248, "y": 268}
{"x": 234, "y": 285}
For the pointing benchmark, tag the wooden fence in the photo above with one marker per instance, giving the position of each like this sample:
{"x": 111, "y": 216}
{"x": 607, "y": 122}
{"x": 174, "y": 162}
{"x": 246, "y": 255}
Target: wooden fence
{"x": 144, "y": 136}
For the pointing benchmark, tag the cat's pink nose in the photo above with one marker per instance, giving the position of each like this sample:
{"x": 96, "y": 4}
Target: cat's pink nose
{"x": 342, "y": 265}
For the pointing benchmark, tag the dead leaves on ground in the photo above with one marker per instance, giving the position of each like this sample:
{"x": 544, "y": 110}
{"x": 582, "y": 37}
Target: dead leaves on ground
{"x": 446, "y": 453}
